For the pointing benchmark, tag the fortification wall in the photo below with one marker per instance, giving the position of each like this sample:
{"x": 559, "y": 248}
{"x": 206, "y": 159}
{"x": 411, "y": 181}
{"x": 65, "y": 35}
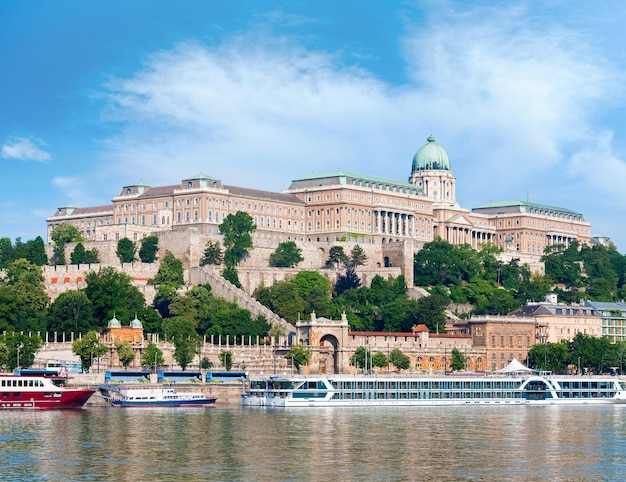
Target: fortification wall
{"x": 58, "y": 279}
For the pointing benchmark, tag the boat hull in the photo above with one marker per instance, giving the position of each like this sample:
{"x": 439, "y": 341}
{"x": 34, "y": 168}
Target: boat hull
{"x": 207, "y": 402}
{"x": 268, "y": 402}
{"x": 66, "y": 399}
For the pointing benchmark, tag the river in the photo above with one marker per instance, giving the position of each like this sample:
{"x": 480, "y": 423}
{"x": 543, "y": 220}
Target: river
{"x": 483, "y": 443}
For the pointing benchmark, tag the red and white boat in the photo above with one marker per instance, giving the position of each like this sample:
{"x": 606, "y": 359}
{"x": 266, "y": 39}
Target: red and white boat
{"x": 39, "y": 390}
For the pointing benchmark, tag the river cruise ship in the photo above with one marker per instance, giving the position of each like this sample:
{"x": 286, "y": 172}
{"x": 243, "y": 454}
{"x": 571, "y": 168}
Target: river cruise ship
{"x": 367, "y": 390}
{"x": 157, "y": 396}
{"x": 40, "y": 389}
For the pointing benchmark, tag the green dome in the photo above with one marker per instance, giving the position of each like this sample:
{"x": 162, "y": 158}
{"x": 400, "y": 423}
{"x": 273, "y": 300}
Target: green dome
{"x": 136, "y": 323}
{"x": 114, "y": 323}
{"x": 431, "y": 156}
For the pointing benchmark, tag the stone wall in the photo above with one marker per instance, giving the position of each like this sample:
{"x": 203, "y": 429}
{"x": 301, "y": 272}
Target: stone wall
{"x": 58, "y": 279}
{"x": 222, "y": 288}
{"x": 188, "y": 245}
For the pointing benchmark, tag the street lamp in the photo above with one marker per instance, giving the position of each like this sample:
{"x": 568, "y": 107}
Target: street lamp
{"x": 19, "y": 345}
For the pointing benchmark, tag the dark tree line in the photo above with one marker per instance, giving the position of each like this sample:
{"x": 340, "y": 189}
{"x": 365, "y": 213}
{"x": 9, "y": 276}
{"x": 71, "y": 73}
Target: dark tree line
{"x": 584, "y": 354}
{"x": 495, "y": 287}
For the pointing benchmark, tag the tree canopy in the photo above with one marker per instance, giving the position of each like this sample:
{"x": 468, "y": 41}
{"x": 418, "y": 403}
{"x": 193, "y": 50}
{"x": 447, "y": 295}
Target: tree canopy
{"x": 23, "y": 298}
{"x": 237, "y": 230}
{"x": 126, "y": 250}
{"x": 286, "y": 255}
{"x": 88, "y": 348}
{"x": 212, "y": 254}
{"x": 149, "y": 249}
{"x": 112, "y": 294}
{"x": 299, "y": 355}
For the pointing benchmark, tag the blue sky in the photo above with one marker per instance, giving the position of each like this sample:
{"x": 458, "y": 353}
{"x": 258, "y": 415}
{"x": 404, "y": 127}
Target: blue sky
{"x": 526, "y": 97}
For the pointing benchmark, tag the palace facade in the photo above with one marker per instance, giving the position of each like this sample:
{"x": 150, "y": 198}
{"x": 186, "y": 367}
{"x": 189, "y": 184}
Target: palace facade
{"x": 336, "y": 206}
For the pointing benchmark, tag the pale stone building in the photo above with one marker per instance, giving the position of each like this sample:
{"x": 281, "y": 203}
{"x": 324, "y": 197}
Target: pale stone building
{"x": 335, "y": 206}
{"x": 503, "y": 338}
{"x": 332, "y": 345}
{"x": 612, "y": 318}
{"x": 558, "y": 321}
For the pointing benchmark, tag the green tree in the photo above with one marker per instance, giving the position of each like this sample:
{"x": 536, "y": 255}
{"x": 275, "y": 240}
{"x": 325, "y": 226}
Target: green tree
{"x": 206, "y": 364}
{"x": 4, "y": 356}
{"x": 283, "y": 299}
{"x": 457, "y": 360}
{"x": 92, "y": 256}
{"x": 18, "y": 350}
{"x": 33, "y": 251}
{"x": 111, "y": 293}
{"x": 66, "y": 233}
{"x": 399, "y": 359}
{"x": 286, "y": 255}
{"x": 152, "y": 356}
{"x": 125, "y": 353}
{"x": 315, "y": 290}
{"x": 304, "y": 293}
{"x": 299, "y": 355}
{"x": 399, "y": 315}
{"x": 7, "y": 252}
{"x": 61, "y": 235}
{"x": 230, "y": 274}
{"x": 237, "y": 230}
{"x": 181, "y": 331}
{"x": 170, "y": 272}
{"x": 71, "y": 312}
{"x": 216, "y": 316}
{"x": 549, "y": 356}
{"x": 430, "y": 311}
{"x": 336, "y": 256}
{"x": 212, "y": 254}
{"x": 348, "y": 281}
{"x": 441, "y": 263}
{"x": 23, "y": 298}
{"x": 58, "y": 255}
{"x": 226, "y": 359}
{"x": 78, "y": 255}
{"x": 357, "y": 256}
{"x": 163, "y": 298}
{"x": 149, "y": 249}
{"x": 595, "y": 353}
{"x": 88, "y": 348}
{"x": 562, "y": 264}
{"x": 380, "y": 360}
{"x": 126, "y": 250}
{"x": 362, "y": 358}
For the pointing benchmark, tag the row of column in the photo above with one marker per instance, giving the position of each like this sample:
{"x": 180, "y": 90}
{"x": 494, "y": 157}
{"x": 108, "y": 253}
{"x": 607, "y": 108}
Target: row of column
{"x": 395, "y": 223}
{"x": 404, "y": 224}
{"x": 458, "y": 236}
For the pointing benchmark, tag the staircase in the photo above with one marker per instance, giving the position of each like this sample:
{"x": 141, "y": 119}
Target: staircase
{"x": 223, "y": 288}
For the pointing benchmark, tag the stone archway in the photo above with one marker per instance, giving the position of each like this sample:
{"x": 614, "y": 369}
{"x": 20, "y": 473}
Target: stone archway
{"x": 329, "y": 354}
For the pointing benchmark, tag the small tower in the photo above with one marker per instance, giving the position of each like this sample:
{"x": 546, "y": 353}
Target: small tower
{"x": 431, "y": 171}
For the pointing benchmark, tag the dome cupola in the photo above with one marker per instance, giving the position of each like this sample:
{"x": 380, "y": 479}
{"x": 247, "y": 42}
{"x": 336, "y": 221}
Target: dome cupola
{"x": 431, "y": 156}
{"x": 114, "y": 323}
{"x": 136, "y": 323}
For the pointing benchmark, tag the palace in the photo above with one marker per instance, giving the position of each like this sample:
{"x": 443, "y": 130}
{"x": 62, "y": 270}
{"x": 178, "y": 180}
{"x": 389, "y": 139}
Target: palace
{"x": 336, "y": 206}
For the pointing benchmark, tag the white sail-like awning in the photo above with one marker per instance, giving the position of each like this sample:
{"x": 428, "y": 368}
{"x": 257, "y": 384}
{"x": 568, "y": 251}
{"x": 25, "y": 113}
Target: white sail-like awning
{"x": 514, "y": 367}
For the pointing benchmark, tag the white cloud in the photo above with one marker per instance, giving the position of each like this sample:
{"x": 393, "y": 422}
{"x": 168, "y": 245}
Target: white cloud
{"x": 513, "y": 98}
{"x": 24, "y": 149}
{"x": 73, "y": 188}
{"x": 265, "y": 112}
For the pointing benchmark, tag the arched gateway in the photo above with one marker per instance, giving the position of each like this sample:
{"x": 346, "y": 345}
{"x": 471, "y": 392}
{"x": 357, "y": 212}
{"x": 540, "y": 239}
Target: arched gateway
{"x": 327, "y": 340}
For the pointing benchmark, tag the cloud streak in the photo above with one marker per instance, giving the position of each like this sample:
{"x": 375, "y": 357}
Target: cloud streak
{"x": 24, "y": 149}
{"x": 513, "y": 98}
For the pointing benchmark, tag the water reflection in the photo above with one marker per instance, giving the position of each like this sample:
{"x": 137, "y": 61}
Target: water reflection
{"x": 391, "y": 444}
